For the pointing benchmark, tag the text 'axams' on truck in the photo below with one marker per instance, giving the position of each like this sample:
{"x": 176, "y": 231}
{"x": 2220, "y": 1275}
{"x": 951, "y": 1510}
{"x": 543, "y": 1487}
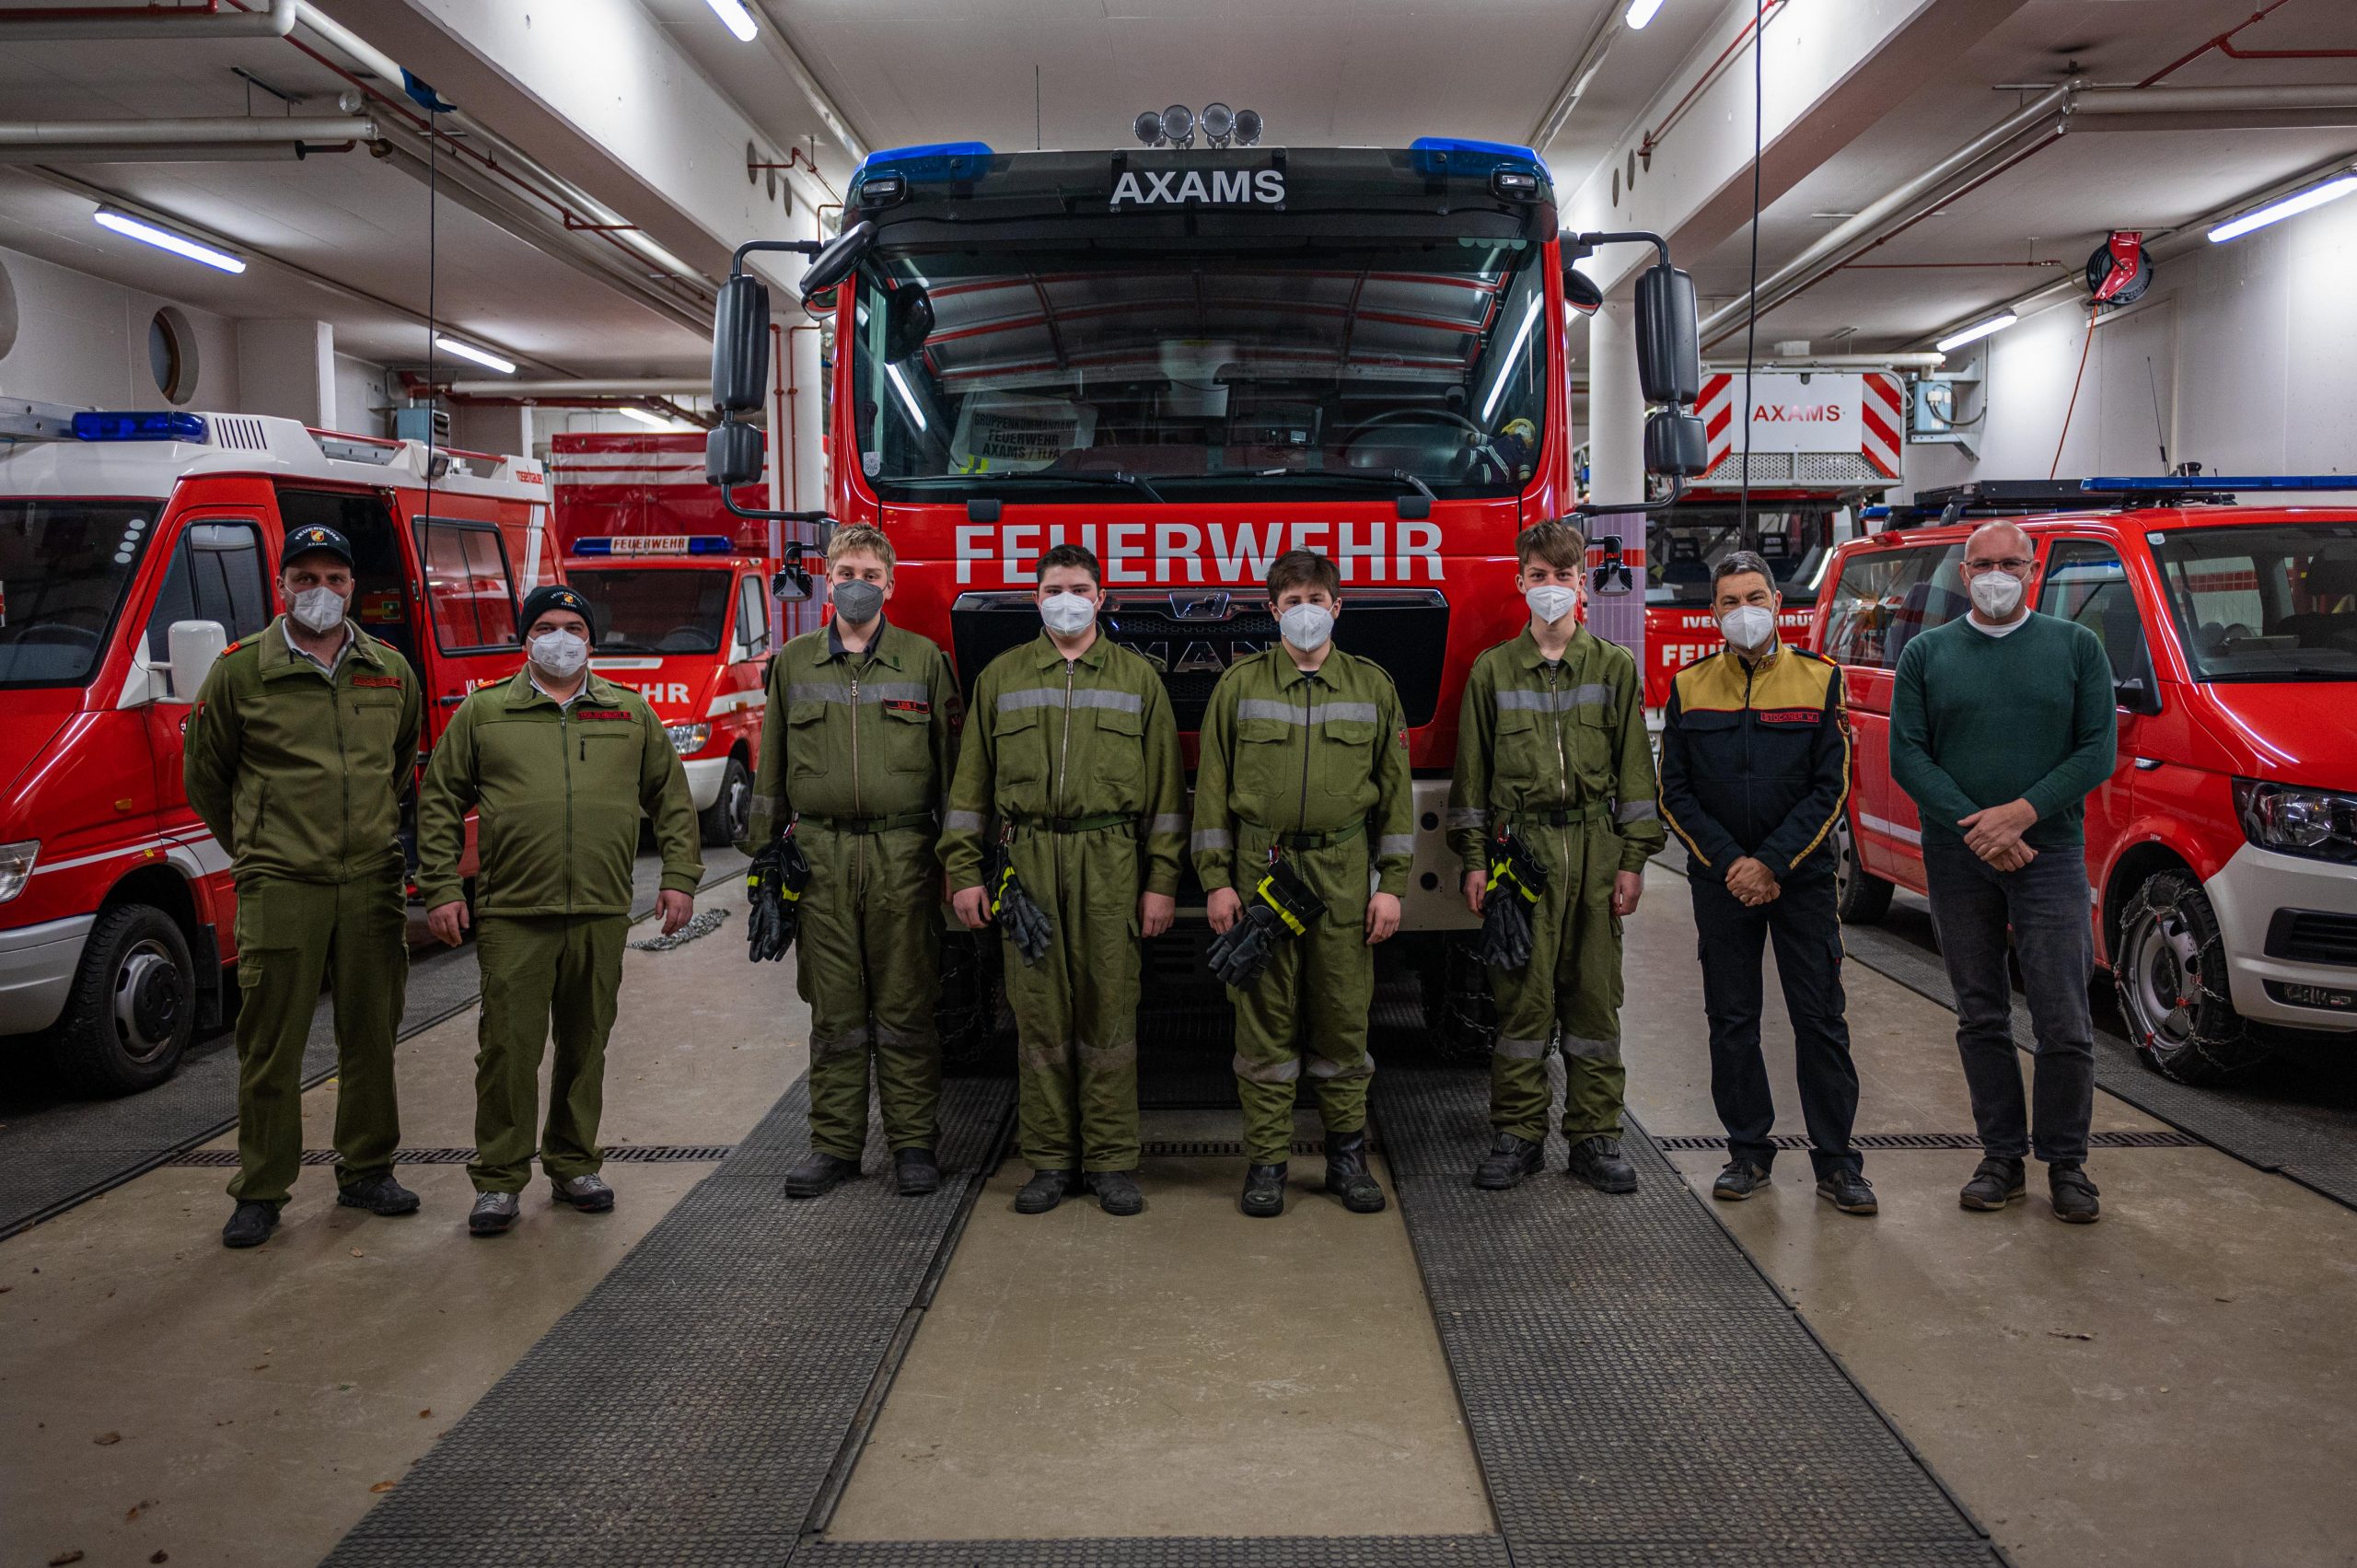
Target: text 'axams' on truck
{"x": 1192, "y": 360}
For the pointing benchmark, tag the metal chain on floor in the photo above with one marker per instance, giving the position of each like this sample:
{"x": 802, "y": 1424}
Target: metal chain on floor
{"x": 704, "y": 924}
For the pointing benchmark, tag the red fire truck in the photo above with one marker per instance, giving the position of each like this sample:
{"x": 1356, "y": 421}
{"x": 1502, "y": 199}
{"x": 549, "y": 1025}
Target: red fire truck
{"x": 1822, "y": 442}
{"x": 133, "y": 547}
{"x": 680, "y": 592}
{"x": 1190, "y": 361}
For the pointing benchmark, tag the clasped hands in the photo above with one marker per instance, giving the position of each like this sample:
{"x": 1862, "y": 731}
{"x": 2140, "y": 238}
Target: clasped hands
{"x": 1995, "y": 833}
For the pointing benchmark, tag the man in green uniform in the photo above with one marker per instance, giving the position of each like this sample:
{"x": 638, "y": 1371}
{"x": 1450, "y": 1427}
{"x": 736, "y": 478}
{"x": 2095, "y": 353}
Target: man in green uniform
{"x": 301, "y": 747}
{"x": 857, "y": 753}
{"x": 1551, "y": 748}
{"x": 558, "y": 765}
{"x": 1070, "y": 767}
{"x": 1304, "y": 759}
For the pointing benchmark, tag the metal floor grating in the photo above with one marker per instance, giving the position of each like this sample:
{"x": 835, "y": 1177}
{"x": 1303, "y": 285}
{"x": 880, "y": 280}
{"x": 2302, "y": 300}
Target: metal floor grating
{"x": 616, "y": 1154}
{"x": 1691, "y": 1142}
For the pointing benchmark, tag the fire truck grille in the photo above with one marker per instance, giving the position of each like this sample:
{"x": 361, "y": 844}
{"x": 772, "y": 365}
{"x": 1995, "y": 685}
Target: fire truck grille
{"x": 1406, "y": 632}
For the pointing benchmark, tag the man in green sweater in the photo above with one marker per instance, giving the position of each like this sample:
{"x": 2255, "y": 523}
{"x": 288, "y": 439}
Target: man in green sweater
{"x": 2000, "y": 726}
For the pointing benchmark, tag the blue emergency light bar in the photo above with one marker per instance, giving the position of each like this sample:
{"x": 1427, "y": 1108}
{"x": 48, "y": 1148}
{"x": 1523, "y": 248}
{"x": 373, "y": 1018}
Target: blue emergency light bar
{"x": 135, "y": 426}
{"x": 654, "y": 544}
{"x": 1455, "y": 154}
{"x": 2171, "y": 484}
{"x": 927, "y": 161}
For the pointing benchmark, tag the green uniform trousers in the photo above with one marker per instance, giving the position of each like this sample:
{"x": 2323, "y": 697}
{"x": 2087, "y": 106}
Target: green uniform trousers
{"x": 538, "y": 971}
{"x": 870, "y": 968}
{"x": 1076, "y": 1010}
{"x": 1571, "y": 989}
{"x": 1309, "y": 1007}
{"x": 291, "y": 938}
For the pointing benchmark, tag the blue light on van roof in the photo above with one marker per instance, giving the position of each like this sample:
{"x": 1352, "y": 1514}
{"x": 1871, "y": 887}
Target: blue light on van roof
{"x": 130, "y": 425}
{"x": 2205, "y": 482}
{"x": 654, "y": 544}
{"x": 1455, "y": 155}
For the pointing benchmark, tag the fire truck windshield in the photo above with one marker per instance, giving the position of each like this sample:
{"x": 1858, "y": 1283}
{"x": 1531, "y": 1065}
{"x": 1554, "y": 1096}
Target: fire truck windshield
{"x": 1314, "y": 371}
{"x": 63, "y": 567}
{"x": 2264, "y": 602}
{"x": 1685, "y": 545}
{"x": 657, "y": 609}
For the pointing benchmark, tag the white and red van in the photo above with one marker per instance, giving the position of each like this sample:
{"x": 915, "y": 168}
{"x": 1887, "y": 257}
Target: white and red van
{"x": 116, "y": 905}
{"x": 2222, "y": 850}
{"x": 682, "y": 597}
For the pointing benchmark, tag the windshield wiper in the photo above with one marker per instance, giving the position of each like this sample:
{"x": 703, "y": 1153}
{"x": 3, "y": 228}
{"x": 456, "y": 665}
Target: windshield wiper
{"x": 1348, "y": 476}
{"x": 1048, "y": 476}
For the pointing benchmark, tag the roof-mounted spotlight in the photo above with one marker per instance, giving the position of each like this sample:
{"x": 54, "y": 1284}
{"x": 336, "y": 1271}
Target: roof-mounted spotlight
{"x": 1178, "y": 125}
{"x": 1148, "y": 126}
{"x": 1218, "y": 123}
{"x": 1248, "y": 127}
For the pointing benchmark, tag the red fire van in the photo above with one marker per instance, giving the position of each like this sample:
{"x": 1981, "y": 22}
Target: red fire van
{"x": 116, "y": 905}
{"x": 2222, "y": 850}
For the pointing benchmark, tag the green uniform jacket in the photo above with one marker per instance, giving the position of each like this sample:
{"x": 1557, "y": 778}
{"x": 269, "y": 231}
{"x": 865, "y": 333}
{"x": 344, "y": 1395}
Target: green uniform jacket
{"x": 298, "y": 776}
{"x": 558, "y": 796}
{"x": 871, "y": 735}
{"x": 1308, "y": 753}
{"x": 1075, "y": 739}
{"x": 1530, "y": 740}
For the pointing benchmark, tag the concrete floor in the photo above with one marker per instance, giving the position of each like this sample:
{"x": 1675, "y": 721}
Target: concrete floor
{"x": 1240, "y": 1377}
{"x": 2171, "y": 1387}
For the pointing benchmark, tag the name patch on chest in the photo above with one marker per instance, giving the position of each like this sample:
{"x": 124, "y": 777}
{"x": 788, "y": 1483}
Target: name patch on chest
{"x": 587, "y": 713}
{"x": 908, "y": 705}
{"x": 392, "y": 681}
{"x": 1789, "y": 715}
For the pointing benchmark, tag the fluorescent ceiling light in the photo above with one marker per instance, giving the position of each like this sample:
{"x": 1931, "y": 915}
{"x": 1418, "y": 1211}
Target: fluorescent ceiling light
{"x": 480, "y": 356}
{"x": 647, "y": 417}
{"x": 736, "y": 18}
{"x": 1505, "y": 366}
{"x": 1978, "y": 329}
{"x": 165, "y": 239}
{"x": 2290, "y": 206}
{"x": 1639, "y": 13}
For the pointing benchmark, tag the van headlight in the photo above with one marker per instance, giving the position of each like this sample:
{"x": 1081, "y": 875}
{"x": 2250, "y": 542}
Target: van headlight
{"x": 689, "y": 739}
{"x": 17, "y": 867}
{"x": 2320, "y": 824}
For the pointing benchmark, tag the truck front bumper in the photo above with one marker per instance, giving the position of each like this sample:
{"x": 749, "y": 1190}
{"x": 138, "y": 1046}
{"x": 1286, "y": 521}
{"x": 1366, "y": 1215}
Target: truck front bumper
{"x": 37, "y": 965}
{"x": 2247, "y": 893}
{"x": 704, "y": 775}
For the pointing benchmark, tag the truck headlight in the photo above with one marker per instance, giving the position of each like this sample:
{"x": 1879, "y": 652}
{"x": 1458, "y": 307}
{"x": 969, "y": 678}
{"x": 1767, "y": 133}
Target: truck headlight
{"x": 2318, "y": 823}
{"x": 15, "y": 867}
{"x": 689, "y": 739}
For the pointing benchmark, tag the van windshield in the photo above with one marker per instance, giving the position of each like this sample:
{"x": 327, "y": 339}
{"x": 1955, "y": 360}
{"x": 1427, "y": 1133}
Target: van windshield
{"x": 1685, "y": 544}
{"x": 2273, "y": 601}
{"x": 657, "y": 611}
{"x": 63, "y": 568}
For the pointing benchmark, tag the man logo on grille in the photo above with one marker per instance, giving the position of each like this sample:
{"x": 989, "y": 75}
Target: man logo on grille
{"x": 1200, "y": 607}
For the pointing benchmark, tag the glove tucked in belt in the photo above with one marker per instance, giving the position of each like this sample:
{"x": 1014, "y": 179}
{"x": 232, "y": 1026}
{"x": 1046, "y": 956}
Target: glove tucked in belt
{"x": 1025, "y": 924}
{"x": 1517, "y": 880}
{"x": 1282, "y": 907}
{"x": 773, "y": 884}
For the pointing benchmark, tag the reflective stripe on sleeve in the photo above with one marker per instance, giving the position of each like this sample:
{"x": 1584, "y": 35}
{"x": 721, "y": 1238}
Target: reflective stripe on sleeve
{"x": 1395, "y": 844}
{"x": 1170, "y": 822}
{"x": 1466, "y": 816}
{"x": 1211, "y": 839}
{"x": 961, "y": 822}
{"x": 1636, "y": 811}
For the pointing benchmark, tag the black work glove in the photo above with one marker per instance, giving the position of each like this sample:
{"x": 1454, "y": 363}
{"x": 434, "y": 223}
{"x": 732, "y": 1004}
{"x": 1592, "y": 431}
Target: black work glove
{"x": 1505, "y": 929}
{"x": 1240, "y": 955}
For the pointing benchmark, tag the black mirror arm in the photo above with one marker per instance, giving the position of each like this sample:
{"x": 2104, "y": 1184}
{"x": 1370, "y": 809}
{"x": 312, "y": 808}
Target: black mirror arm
{"x": 1585, "y": 244}
{"x": 798, "y": 247}
{"x": 763, "y": 514}
{"x": 1595, "y": 509}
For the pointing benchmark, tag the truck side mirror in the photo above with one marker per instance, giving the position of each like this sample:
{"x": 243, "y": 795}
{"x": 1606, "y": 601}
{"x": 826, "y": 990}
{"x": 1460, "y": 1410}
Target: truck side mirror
{"x": 791, "y": 582}
{"x": 1580, "y": 291}
{"x": 1669, "y": 354}
{"x": 1676, "y": 446}
{"x": 740, "y": 344}
{"x": 1612, "y": 579}
{"x": 194, "y": 645}
{"x": 732, "y": 455}
{"x": 839, "y": 257}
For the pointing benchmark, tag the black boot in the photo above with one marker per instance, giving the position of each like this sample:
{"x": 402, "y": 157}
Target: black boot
{"x": 1264, "y": 1191}
{"x": 250, "y": 1224}
{"x": 1347, "y": 1176}
{"x": 1600, "y": 1164}
{"x": 379, "y": 1194}
{"x": 1043, "y": 1191}
{"x": 1511, "y": 1159}
{"x": 1117, "y": 1191}
{"x": 819, "y": 1175}
{"x": 917, "y": 1172}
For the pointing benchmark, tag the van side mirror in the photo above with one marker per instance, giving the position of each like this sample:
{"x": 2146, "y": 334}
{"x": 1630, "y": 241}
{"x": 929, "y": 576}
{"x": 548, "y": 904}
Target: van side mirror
{"x": 740, "y": 344}
{"x": 838, "y": 259}
{"x": 1669, "y": 354}
{"x": 2136, "y": 696}
{"x": 732, "y": 455}
{"x": 194, "y": 645}
{"x": 1612, "y": 579}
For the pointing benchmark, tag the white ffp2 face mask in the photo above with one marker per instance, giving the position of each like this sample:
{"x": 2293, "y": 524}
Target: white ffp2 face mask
{"x": 1748, "y": 627}
{"x": 1551, "y": 601}
{"x": 1067, "y": 614}
{"x": 1996, "y": 595}
{"x": 1307, "y": 626}
{"x": 559, "y": 655}
{"x": 317, "y": 609}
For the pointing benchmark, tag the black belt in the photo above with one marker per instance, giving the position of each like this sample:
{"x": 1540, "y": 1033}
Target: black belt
{"x": 1075, "y": 824}
{"x": 1562, "y": 817}
{"x": 867, "y": 825}
{"x": 1320, "y": 841}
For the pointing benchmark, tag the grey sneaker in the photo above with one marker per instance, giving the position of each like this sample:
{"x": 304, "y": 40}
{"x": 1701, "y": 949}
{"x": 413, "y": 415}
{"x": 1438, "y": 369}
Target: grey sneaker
{"x": 494, "y": 1213}
{"x": 589, "y": 1194}
{"x": 1848, "y": 1192}
{"x": 1740, "y": 1181}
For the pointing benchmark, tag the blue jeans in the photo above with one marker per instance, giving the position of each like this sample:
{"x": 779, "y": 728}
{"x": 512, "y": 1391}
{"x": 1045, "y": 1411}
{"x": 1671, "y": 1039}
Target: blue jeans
{"x": 2046, "y": 905}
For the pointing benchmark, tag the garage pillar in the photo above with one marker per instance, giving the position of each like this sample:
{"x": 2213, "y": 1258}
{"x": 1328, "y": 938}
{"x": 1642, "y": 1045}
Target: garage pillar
{"x": 1616, "y": 406}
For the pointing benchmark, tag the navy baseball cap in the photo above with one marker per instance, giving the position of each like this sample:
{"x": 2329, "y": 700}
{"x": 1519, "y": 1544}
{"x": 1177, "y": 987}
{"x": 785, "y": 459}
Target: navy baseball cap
{"x": 310, "y": 537}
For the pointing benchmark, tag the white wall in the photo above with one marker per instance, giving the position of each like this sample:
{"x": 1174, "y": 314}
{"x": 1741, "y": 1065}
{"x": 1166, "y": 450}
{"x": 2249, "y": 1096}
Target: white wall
{"x": 362, "y": 389}
{"x": 82, "y": 340}
{"x": 2251, "y": 348}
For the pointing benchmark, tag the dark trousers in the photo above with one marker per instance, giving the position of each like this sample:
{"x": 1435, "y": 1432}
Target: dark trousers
{"x": 1807, "y": 933}
{"x": 2046, "y": 905}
